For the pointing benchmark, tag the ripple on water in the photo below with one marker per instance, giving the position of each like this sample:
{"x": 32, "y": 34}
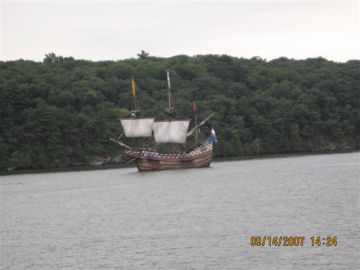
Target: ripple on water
{"x": 190, "y": 219}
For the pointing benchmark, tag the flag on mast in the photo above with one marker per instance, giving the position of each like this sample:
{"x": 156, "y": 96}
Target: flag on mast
{"x": 133, "y": 86}
{"x": 194, "y": 107}
{"x": 213, "y": 135}
{"x": 168, "y": 79}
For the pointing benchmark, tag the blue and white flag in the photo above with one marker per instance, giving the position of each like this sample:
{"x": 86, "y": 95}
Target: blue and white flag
{"x": 168, "y": 79}
{"x": 213, "y": 135}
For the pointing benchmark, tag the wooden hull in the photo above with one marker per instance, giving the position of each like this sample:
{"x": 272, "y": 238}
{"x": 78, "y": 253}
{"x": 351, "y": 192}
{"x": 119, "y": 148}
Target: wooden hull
{"x": 149, "y": 164}
{"x": 152, "y": 160}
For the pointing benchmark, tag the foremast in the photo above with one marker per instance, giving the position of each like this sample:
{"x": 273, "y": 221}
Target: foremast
{"x": 135, "y": 126}
{"x": 136, "y": 111}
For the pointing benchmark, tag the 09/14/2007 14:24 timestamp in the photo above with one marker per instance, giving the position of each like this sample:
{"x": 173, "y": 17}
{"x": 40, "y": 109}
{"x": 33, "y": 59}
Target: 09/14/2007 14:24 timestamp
{"x": 297, "y": 241}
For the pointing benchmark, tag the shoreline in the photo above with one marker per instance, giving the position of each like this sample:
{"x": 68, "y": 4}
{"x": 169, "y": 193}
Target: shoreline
{"x": 286, "y": 155}
{"x": 215, "y": 159}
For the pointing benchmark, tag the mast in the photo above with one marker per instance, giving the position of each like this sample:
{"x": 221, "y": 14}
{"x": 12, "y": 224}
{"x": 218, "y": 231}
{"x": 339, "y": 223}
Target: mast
{"x": 196, "y": 122}
{"x": 135, "y": 127}
{"x": 136, "y": 111}
{"x": 170, "y": 109}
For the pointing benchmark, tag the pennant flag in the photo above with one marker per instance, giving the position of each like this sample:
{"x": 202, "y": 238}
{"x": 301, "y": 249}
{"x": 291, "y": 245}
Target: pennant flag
{"x": 213, "y": 135}
{"x": 168, "y": 79}
{"x": 133, "y": 86}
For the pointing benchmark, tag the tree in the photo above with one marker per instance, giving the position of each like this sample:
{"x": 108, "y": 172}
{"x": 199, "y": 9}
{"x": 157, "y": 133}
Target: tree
{"x": 60, "y": 112}
{"x": 143, "y": 54}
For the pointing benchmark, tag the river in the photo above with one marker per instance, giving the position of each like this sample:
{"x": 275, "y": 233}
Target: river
{"x": 185, "y": 219}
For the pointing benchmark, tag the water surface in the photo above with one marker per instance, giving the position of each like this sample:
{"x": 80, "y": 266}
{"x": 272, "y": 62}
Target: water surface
{"x": 185, "y": 219}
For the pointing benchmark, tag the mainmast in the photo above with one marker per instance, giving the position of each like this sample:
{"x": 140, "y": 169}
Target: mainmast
{"x": 170, "y": 109}
{"x": 171, "y": 131}
{"x": 136, "y": 111}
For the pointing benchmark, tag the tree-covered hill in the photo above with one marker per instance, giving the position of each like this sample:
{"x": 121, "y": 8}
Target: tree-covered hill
{"x": 62, "y": 111}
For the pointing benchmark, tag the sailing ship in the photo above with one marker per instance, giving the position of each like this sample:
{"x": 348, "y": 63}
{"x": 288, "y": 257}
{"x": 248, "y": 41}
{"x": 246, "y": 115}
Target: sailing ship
{"x": 172, "y": 132}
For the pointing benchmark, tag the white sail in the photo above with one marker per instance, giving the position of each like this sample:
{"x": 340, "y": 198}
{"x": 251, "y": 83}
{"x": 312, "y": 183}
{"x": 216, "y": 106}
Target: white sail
{"x": 171, "y": 131}
{"x": 141, "y": 127}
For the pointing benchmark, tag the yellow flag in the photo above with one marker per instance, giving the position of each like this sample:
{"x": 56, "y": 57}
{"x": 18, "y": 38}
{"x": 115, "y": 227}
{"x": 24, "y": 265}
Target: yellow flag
{"x": 133, "y": 86}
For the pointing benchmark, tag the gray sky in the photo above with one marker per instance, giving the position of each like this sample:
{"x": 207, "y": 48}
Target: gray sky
{"x": 115, "y": 30}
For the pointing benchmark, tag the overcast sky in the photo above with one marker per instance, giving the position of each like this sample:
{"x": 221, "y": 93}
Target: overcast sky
{"x": 115, "y": 30}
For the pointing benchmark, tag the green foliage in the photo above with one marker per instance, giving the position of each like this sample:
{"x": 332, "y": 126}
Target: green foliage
{"x": 143, "y": 55}
{"x": 61, "y": 111}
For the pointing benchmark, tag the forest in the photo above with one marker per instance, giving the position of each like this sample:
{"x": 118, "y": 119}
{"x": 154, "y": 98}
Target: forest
{"x": 61, "y": 112}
